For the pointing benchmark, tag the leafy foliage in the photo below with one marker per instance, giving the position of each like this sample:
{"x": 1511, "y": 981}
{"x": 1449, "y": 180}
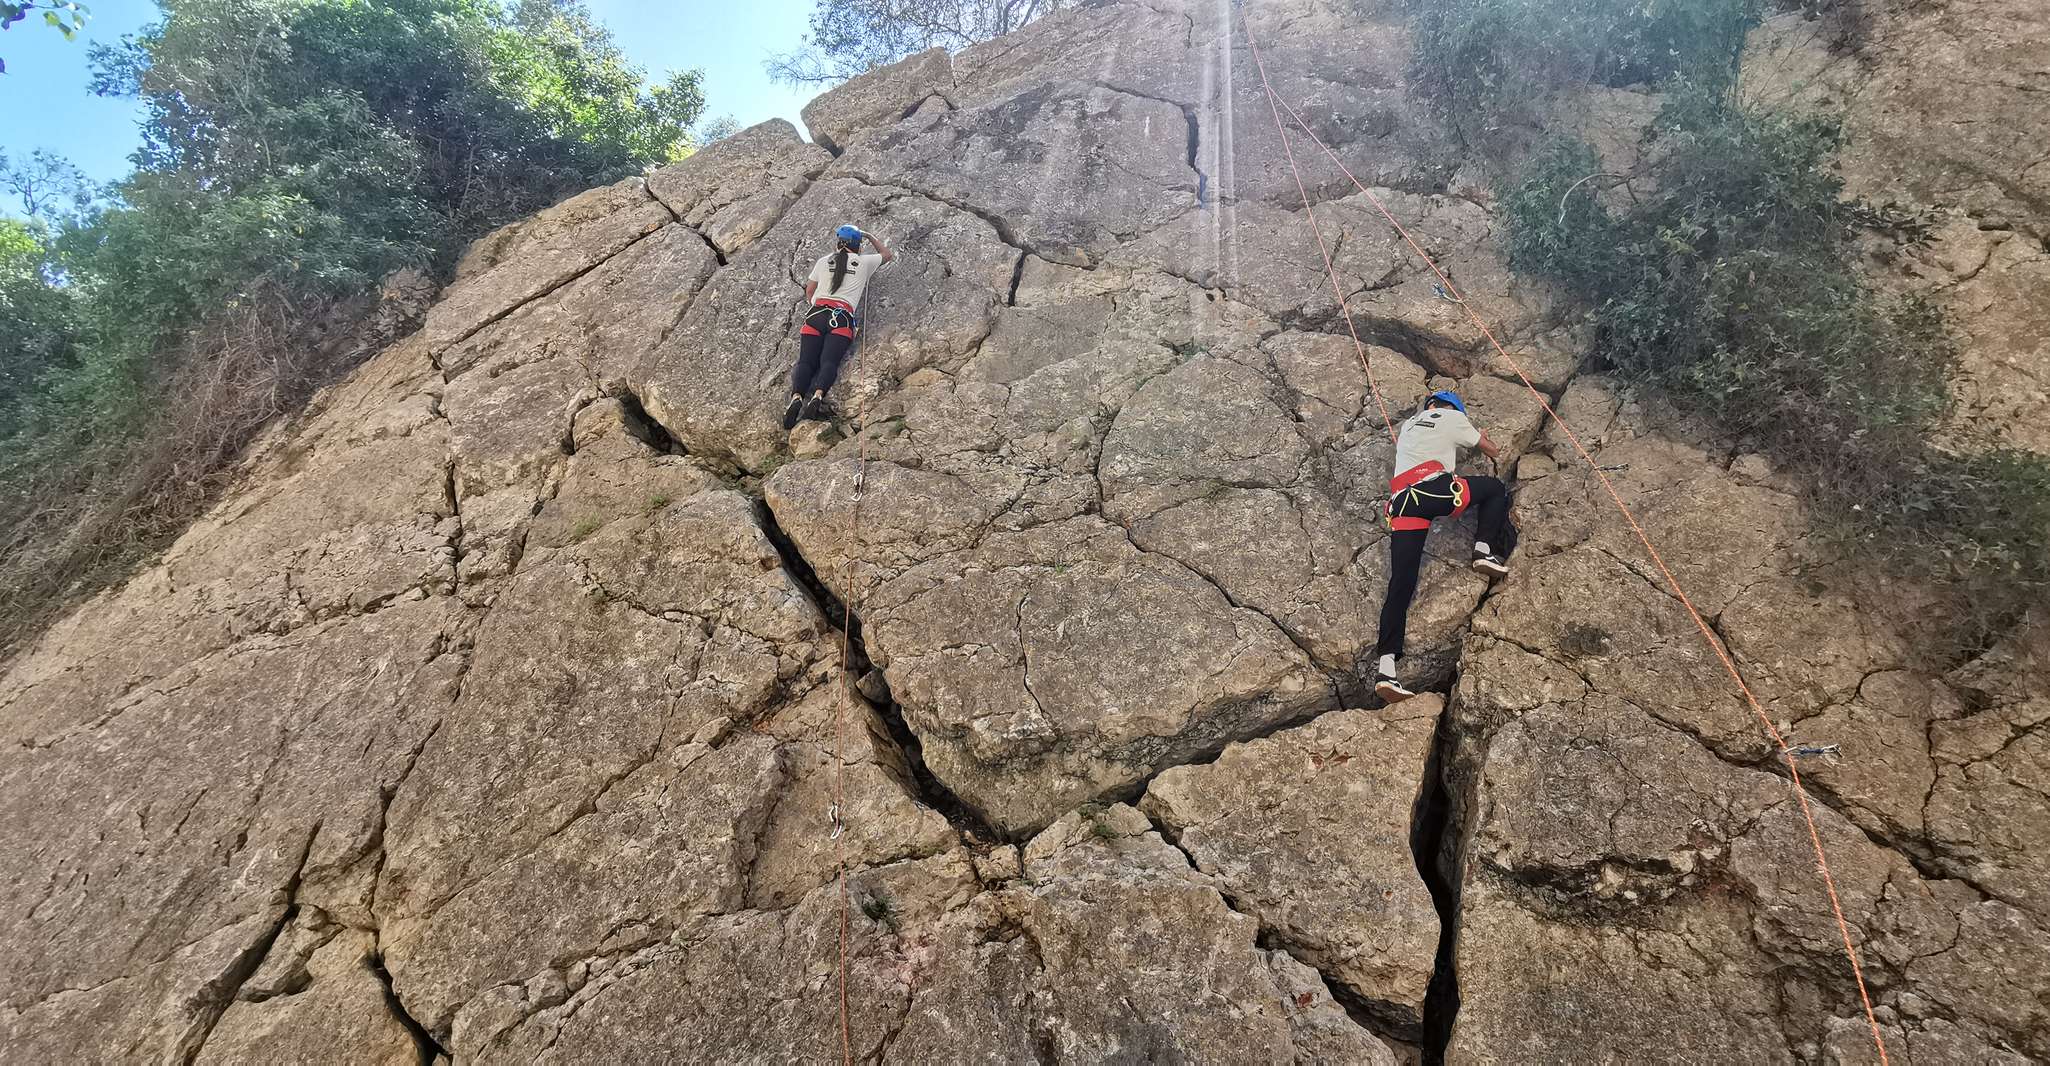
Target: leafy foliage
{"x": 1731, "y": 288}
{"x": 717, "y": 129}
{"x": 849, "y": 37}
{"x": 294, "y": 152}
{"x": 63, "y": 16}
{"x": 1480, "y": 61}
{"x": 35, "y": 318}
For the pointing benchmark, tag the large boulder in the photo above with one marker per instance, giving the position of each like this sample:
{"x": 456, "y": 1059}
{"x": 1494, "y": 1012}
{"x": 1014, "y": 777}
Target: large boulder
{"x": 542, "y": 255}
{"x": 1065, "y": 170}
{"x": 878, "y": 99}
{"x": 1027, "y": 706}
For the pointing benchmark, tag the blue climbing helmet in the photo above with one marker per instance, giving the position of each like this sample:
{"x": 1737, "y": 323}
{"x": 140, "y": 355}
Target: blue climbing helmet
{"x": 848, "y": 235}
{"x": 1450, "y": 397}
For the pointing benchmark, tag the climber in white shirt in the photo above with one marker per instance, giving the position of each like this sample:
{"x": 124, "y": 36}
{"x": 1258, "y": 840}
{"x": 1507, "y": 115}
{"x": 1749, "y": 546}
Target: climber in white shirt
{"x": 834, "y": 293}
{"x": 1425, "y": 488}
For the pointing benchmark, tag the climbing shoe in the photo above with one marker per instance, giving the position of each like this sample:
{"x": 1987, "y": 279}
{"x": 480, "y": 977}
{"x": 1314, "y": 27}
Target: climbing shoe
{"x": 1390, "y": 689}
{"x": 1491, "y": 565}
{"x": 817, "y": 409}
{"x": 792, "y": 413}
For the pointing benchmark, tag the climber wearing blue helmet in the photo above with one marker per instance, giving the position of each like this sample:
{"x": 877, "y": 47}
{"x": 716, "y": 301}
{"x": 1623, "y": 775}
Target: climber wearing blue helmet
{"x": 1425, "y": 488}
{"x": 833, "y": 297}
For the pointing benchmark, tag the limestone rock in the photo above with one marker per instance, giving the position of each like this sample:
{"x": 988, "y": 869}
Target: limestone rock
{"x": 735, "y": 189}
{"x": 1025, "y": 162}
{"x": 1643, "y": 899}
{"x": 1622, "y": 818}
{"x": 813, "y": 440}
{"x": 1940, "y": 100}
{"x": 1260, "y": 253}
{"x": 285, "y": 787}
{"x": 334, "y": 1001}
{"x": 553, "y": 227}
{"x": 1989, "y": 280}
{"x": 1308, "y": 831}
{"x": 718, "y": 380}
{"x": 1164, "y": 53}
{"x": 695, "y": 813}
{"x": 1942, "y": 109}
{"x": 878, "y": 98}
{"x": 1108, "y": 904}
{"x": 557, "y": 246}
{"x": 710, "y": 991}
{"x": 532, "y": 695}
{"x": 1027, "y": 708}
{"x": 1355, "y": 101}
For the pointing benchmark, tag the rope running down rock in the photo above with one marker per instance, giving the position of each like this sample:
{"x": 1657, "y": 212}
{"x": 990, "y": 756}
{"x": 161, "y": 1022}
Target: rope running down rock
{"x": 1793, "y": 771}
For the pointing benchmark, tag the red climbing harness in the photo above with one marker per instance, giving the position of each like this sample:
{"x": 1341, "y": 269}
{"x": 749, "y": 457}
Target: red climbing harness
{"x": 1406, "y": 491}
{"x": 829, "y": 316}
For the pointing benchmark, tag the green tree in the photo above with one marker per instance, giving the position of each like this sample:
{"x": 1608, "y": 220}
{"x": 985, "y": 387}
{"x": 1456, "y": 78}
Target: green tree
{"x": 479, "y": 113}
{"x": 293, "y": 153}
{"x": 851, "y": 36}
{"x": 1481, "y": 61}
{"x": 36, "y": 318}
{"x": 63, "y": 16}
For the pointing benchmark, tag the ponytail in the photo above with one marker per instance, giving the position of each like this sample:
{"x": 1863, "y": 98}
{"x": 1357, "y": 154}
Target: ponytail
{"x": 839, "y": 268}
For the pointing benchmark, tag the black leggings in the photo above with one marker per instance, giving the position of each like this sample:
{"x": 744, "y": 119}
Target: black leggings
{"x": 823, "y": 342}
{"x": 1489, "y": 499}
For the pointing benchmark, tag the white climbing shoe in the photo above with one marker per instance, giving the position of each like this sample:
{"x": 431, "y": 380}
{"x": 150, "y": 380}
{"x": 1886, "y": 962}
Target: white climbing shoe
{"x": 1390, "y": 689}
{"x": 1491, "y": 565}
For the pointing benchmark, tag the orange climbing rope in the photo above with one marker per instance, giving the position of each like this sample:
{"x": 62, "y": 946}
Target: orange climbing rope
{"x": 847, "y": 690}
{"x": 1325, "y": 250}
{"x": 1794, "y": 774}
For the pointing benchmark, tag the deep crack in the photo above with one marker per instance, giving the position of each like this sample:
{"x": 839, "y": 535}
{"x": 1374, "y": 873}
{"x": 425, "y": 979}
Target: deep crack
{"x": 1017, "y": 275}
{"x": 424, "y": 1043}
{"x": 213, "y": 1000}
{"x": 1434, "y": 841}
{"x": 903, "y": 755}
{"x": 645, "y": 427}
{"x": 1202, "y": 179}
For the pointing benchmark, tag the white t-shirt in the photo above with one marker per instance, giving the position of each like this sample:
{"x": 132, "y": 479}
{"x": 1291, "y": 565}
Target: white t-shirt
{"x": 1433, "y": 435}
{"x": 861, "y": 266}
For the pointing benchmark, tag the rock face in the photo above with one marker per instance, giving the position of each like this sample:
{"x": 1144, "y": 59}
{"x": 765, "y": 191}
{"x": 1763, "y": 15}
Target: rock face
{"x": 1628, "y": 843}
{"x": 536, "y": 698}
{"x": 1943, "y": 104}
{"x": 1309, "y": 830}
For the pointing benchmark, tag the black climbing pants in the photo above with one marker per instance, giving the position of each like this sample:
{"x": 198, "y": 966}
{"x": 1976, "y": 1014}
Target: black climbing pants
{"x": 823, "y": 342}
{"x": 1435, "y": 498}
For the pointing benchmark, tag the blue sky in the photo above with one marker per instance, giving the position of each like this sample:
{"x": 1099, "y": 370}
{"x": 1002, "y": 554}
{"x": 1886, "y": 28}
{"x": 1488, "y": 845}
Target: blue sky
{"x": 44, "y": 102}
